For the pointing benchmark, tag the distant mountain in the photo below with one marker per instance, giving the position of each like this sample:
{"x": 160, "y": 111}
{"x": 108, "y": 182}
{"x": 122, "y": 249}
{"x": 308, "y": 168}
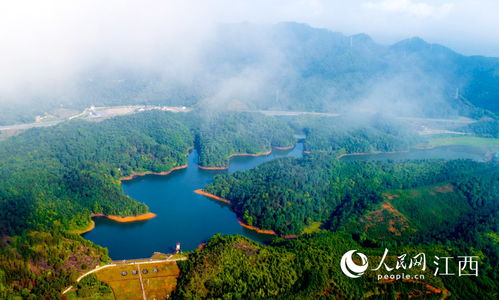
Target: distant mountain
{"x": 471, "y": 80}
{"x": 307, "y": 68}
{"x": 291, "y": 66}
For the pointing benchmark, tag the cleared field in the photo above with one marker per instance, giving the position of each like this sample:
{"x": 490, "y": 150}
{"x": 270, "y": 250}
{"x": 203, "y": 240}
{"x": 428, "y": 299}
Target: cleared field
{"x": 134, "y": 281}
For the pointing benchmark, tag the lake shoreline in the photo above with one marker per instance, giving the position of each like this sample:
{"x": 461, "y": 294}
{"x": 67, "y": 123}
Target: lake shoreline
{"x": 234, "y": 155}
{"x": 140, "y": 174}
{"x": 203, "y": 193}
{"x": 127, "y": 219}
{"x": 263, "y": 153}
{"x": 241, "y": 222}
{"x": 90, "y": 227}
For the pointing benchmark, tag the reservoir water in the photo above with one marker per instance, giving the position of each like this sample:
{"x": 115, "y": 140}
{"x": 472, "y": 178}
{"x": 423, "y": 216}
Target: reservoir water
{"x": 191, "y": 219}
{"x": 182, "y": 216}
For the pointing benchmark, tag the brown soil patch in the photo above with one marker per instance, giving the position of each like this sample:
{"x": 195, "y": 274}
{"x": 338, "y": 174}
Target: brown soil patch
{"x": 444, "y": 188}
{"x": 128, "y": 219}
{"x": 284, "y": 148}
{"x": 390, "y": 196}
{"x": 386, "y": 219}
{"x": 201, "y": 192}
{"x": 264, "y": 231}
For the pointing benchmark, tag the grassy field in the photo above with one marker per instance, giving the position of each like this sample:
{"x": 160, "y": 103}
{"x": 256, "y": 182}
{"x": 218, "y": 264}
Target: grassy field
{"x": 159, "y": 280}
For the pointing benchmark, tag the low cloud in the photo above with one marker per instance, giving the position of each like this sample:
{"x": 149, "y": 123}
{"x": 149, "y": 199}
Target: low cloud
{"x": 48, "y": 47}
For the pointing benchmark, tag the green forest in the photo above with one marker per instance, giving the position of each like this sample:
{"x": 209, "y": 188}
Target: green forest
{"x": 72, "y": 169}
{"x": 93, "y": 96}
{"x": 52, "y": 179}
{"x": 432, "y": 206}
{"x": 307, "y": 268}
{"x": 230, "y": 133}
{"x": 355, "y": 134}
{"x": 287, "y": 195}
{"x": 483, "y": 128}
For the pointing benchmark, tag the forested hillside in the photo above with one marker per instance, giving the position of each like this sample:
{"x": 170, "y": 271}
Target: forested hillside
{"x": 40, "y": 264}
{"x": 440, "y": 208}
{"x": 308, "y": 268}
{"x": 52, "y": 179}
{"x": 223, "y": 134}
{"x": 355, "y": 133}
{"x": 286, "y": 195}
{"x": 72, "y": 169}
{"x": 483, "y": 128}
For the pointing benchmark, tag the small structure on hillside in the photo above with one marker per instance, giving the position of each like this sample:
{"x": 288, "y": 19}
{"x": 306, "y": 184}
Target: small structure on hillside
{"x": 177, "y": 248}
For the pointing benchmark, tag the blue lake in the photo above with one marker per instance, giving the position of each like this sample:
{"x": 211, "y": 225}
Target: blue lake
{"x": 190, "y": 219}
{"x": 182, "y": 215}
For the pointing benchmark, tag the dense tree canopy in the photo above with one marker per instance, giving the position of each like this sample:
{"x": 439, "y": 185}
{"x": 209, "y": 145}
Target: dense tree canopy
{"x": 223, "y": 134}
{"x": 62, "y": 174}
{"x": 288, "y": 194}
{"x": 52, "y": 179}
{"x": 355, "y": 133}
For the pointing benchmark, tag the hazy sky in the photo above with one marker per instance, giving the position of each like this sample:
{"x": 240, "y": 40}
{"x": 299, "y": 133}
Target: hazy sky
{"x": 468, "y": 26}
{"x": 45, "y": 40}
